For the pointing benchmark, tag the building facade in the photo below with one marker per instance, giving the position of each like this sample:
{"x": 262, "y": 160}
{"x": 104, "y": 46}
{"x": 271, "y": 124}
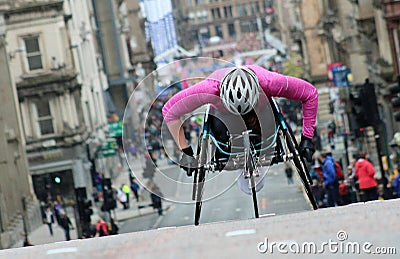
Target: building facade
{"x": 198, "y": 21}
{"x": 19, "y": 209}
{"x": 123, "y": 46}
{"x": 60, "y": 85}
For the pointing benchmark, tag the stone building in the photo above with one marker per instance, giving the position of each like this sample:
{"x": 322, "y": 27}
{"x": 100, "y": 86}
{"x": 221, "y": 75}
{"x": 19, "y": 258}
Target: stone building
{"x": 18, "y": 207}
{"x": 123, "y": 46}
{"x": 59, "y": 83}
{"x": 199, "y": 21}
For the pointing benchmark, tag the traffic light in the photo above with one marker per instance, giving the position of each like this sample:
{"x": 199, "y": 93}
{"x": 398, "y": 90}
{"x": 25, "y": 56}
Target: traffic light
{"x": 357, "y": 109}
{"x": 57, "y": 179}
{"x": 87, "y": 211}
{"x": 364, "y": 105}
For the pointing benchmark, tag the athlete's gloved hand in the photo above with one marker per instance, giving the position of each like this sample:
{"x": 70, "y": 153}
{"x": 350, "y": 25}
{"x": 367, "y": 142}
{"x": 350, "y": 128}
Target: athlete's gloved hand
{"x": 306, "y": 148}
{"x": 188, "y": 162}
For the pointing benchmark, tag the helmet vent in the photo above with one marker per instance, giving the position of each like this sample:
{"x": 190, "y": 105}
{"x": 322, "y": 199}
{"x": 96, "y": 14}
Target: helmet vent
{"x": 231, "y": 97}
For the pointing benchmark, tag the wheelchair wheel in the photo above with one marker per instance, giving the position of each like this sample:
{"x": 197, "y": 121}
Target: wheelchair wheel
{"x": 254, "y": 194}
{"x": 199, "y": 186}
{"x": 251, "y": 168}
{"x": 205, "y": 152}
{"x": 303, "y": 163}
{"x": 300, "y": 165}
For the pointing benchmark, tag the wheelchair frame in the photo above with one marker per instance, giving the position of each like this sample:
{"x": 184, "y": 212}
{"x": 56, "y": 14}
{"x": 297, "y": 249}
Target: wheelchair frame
{"x": 285, "y": 149}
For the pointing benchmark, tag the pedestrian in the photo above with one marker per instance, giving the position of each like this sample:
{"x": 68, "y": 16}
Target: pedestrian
{"x": 289, "y": 173}
{"x": 331, "y": 133}
{"x": 396, "y": 185}
{"x": 26, "y": 241}
{"x": 57, "y": 207}
{"x": 98, "y": 181}
{"x": 114, "y": 227}
{"x": 122, "y": 198}
{"x": 316, "y": 187}
{"x": 133, "y": 150}
{"x": 126, "y": 189}
{"x": 330, "y": 183}
{"x": 66, "y": 224}
{"x": 156, "y": 199}
{"x": 49, "y": 219}
{"x": 365, "y": 173}
{"x": 135, "y": 188}
{"x": 101, "y": 228}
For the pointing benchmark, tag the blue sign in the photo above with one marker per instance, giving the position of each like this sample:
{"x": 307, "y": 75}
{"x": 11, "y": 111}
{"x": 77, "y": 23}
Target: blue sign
{"x": 340, "y": 76}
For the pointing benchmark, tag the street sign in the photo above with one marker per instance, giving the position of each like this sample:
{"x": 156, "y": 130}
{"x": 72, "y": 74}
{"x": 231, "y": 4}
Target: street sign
{"x": 115, "y": 129}
{"x": 341, "y": 76}
{"x": 109, "y": 148}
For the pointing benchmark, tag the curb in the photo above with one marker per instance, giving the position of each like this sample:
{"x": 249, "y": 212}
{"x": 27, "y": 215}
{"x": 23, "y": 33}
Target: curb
{"x": 145, "y": 213}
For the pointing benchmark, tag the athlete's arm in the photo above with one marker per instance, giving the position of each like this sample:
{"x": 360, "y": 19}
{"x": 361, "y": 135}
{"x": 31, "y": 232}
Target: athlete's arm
{"x": 186, "y": 101}
{"x": 275, "y": 84}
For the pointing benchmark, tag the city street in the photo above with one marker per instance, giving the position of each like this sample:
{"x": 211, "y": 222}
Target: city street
{"x": 107, "y": 108}
{"x": 276, "y": 198}
{"x": 354, "y": 231}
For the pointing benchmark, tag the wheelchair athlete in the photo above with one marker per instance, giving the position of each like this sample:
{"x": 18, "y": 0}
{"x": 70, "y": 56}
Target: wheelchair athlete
{"x": 236, "y": 90}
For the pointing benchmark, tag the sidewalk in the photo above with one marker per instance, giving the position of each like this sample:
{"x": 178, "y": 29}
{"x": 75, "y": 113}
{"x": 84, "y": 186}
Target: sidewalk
{"x": 42, "y": 235}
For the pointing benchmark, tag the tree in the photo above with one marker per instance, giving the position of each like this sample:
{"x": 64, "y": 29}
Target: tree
{"x": 293, "y": 66}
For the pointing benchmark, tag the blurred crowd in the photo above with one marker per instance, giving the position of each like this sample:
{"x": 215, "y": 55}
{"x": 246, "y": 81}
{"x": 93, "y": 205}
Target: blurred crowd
{"x": 333, "y": 186}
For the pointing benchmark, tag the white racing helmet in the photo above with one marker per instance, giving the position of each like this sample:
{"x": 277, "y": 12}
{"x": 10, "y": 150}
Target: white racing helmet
{"x": 239, "y": 90}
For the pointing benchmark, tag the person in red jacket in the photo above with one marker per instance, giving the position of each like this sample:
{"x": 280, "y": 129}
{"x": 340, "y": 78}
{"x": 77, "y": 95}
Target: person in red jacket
{"x": 365, "y": 173}
{"x": 101, "y": 228}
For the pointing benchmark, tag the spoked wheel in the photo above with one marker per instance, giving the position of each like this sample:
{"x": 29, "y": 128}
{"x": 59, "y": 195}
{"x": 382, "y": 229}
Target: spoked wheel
{"x": 254, "y": 194}
{"x": 300, "y": 165}
{"x": 204, "y": 152}
{"x": 301, "y": 158}
{"x": 251, "y": 167}
{"x": 199, "y": 188}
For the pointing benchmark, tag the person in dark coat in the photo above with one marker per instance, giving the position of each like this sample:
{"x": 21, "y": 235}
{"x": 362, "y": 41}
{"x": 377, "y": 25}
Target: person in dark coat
{"x": 66, "y": 224}
{"x": 289, "y": 173}
{"x": 156, "y": 199}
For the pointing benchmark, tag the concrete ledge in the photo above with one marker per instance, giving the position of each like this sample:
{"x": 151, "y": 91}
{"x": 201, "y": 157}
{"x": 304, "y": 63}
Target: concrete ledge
{"x": 377, "y": 223}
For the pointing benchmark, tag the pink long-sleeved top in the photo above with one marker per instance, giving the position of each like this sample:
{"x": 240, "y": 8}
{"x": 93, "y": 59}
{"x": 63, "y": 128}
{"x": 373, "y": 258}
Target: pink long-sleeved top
{"x": 273, "y": 84}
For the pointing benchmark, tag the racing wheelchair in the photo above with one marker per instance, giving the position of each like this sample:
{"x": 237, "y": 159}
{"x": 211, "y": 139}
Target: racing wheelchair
{"x": 252, "y": 153}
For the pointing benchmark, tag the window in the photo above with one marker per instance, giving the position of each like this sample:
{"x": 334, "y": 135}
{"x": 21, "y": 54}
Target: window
{"x": 248, "y": 26}
{"x": 216, "y": 14}
{"x": 191, "y": 17}
{"x": 241, "y": 10}
{"x": 33, "y": 55}
{"x": 202, "y": 16}
{"x": 231, "y": 30}
{"x": 255, "y": 8}
{"x": 218, "y": 31}
{"x": 44, "y": 118}
{"x": 228, "y": 11}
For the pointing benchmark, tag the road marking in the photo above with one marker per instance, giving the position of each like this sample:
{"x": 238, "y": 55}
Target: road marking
{"x": 267, "y": 215}
{"x": 62, "y": 250}
{"x": 158, "y": 221}
{"x": 264, "y": 203}
{"x": 186, "y": 218}
{"x": 238, "y": 209}
{"x": 240, "y": 232}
